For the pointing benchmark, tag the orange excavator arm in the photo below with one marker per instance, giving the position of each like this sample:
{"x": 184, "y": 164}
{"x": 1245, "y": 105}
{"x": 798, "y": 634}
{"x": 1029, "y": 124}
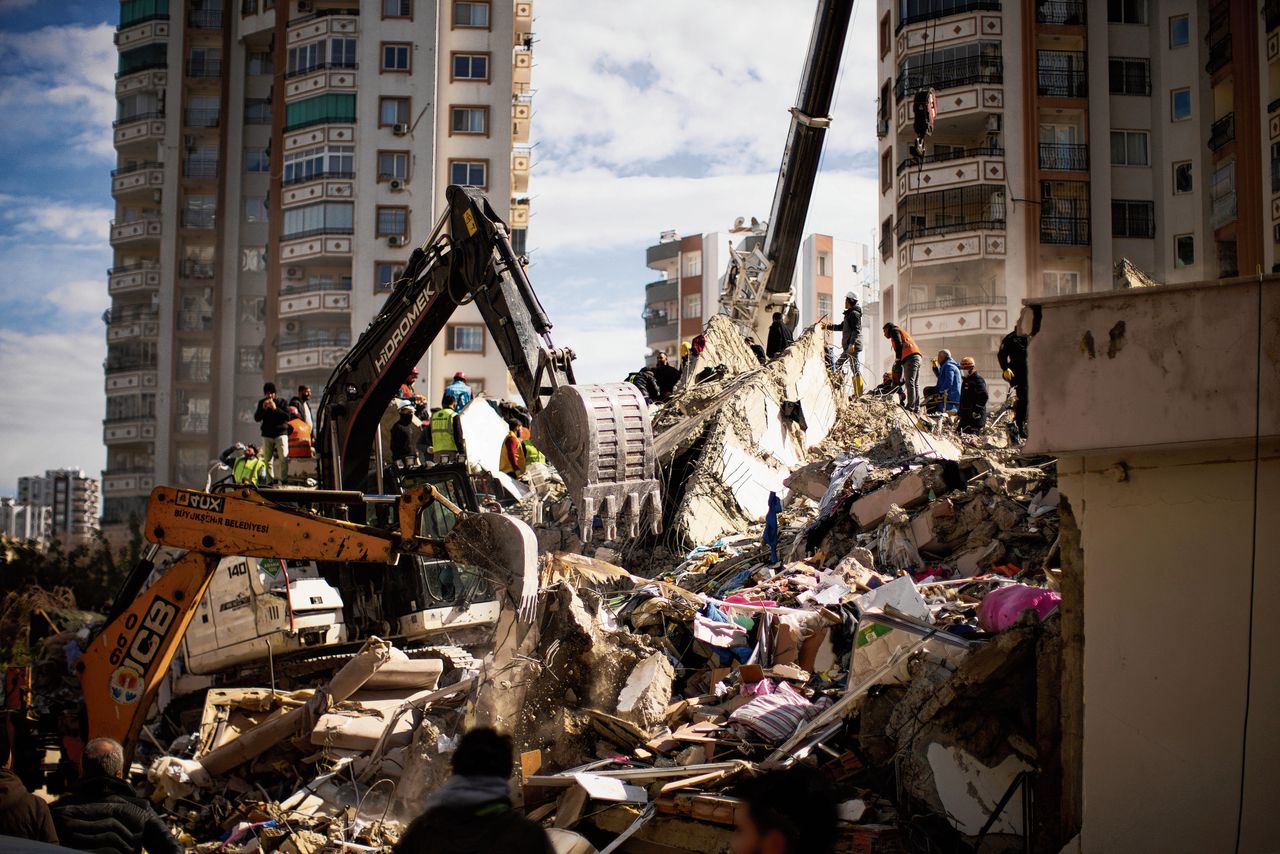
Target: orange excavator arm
{"x": 125, "y": 663}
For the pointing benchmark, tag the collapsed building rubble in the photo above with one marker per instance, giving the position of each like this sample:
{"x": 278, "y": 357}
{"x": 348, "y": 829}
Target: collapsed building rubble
{"x": 899, "y": 643}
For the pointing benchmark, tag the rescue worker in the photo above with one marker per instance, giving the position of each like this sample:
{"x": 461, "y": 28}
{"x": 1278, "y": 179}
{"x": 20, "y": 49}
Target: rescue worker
{"x": 665, "y": 376}
{"x": 685, "y": 349}
{"x": 850, "y": 329}
{"x": 302, "y": 401}
{"x": 887, "y": 385}
{"x": 403, "y": 435}
{"x": 907, "y": 356}
{"x": 447, "y": 444}
{"x": 946, "y": 393}
{"x": 644, "y": 380}
{"x": 779, "y": 337}
{"x": 406, "y": 390}
{"x": 275, "y": 433}
{"x": 1013, "y": 362}
{"x": 460, "y": 390}
{"x": 973, "y": 398}
{"x": 299, "y": 435}
{"x": 517, "y": 453}
{"x": 249, "y": 467}
{"x": 757, "y": 350}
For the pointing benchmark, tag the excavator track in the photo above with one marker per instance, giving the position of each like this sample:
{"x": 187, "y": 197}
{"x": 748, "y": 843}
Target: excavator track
{"x": 301, "y": 668}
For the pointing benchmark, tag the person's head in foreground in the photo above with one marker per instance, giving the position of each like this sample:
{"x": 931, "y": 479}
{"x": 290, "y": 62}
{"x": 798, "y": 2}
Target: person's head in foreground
{"x": 484, "y": 752}
{"x": 103, "y": 757}
{"x": 792, "y": 811}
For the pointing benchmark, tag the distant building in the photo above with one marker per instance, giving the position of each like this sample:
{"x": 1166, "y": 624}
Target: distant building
{"x": 61, "y": 504}
{"x": 692, "y": 270}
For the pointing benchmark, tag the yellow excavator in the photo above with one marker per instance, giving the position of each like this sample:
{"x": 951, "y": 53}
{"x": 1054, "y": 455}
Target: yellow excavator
{"x": 125, "y": 663}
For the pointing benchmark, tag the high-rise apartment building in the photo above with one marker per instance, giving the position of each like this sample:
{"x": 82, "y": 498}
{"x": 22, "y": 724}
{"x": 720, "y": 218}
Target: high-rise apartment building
{"x": 1070, "y": 135}
{"x": 277, "y": 163}
{"x": 61, "y": 504}
{"x": 692, "y": 269}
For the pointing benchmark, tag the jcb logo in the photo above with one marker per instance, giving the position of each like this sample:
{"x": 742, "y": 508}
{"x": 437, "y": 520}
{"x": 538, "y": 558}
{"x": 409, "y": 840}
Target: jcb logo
{"x": 133, "y": 655}
{"x": 202, "y": 501}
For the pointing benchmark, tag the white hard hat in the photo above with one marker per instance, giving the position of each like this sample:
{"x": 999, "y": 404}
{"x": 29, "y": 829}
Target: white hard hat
{"x": 851, "y": 296}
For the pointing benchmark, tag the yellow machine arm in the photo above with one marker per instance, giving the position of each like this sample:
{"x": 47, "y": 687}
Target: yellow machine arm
{"x": 125, "y": 663}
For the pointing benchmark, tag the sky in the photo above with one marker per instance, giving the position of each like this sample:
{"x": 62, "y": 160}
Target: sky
{"x": 670, "y": 119}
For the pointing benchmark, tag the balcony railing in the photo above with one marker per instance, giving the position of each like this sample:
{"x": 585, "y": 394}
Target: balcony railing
{"x": 316, "y": 232}
{"x": 316, "y": 176}
{"x": 1067, "y": 12}
{"x": 196, "y": 269}
{"x": 136, "y": 167}
{"x": 138, "y": 117}
{"x": 314, "y": 287}
{"x": 198, "y": 219}
{"x": 205, "y": 69}
{"x": 197, "y": 117}
{"x": 116, "y": 366}
{"x": 148, "y": 65}
{"x": 1064, "y": 157}
{"x": 353, "y": 12}
{"x": 949, "y": 74}
{"x": 133, "y": 268}
{"x": 1064, "y": 230}
{"x": 129, "y": 314}
{"x": 1223, "y": 210}
{"x": 951, "y": 154}
{"x": 200, "y": 169}
{"x": 915, "y": 11}
{"x": 205, "y": 19}
{"x": 906, "y": 231}
{"x": 339, "y": 340}
{"x": 655, "y": 319}
{"x": 1061, "y": 74}
{"x": 1222, "y": 132}
{"x": 953, "y": 302}
{"x": 321, "y": 66}
{"x": 1219, "y": 54}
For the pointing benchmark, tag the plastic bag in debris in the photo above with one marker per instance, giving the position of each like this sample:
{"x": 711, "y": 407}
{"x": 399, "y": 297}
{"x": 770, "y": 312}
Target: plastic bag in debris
{"x": 852, "y": 472}
{"x": 1002, "y": 607}
{"x": 874, "y": 643}
{"x": 896, "y": 545}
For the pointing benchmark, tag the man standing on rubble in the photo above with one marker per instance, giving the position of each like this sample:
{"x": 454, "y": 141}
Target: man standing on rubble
{"x": 780, "y": 337}
{"x": 850, "y": 329}
{"x": 1013, "y": 362}
{"x": 907, "y": 356}
{"x": 104, "y": 814}
{"x": 403, "y": 435}
{"x": 472, "y": 813}
{"x": 973, "y": 397}
{"x": 274, "y": 418}
{"x": 666, "y": 376}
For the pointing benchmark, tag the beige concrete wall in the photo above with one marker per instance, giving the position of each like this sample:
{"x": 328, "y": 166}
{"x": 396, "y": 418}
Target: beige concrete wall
{"x": 1167, "y": 556}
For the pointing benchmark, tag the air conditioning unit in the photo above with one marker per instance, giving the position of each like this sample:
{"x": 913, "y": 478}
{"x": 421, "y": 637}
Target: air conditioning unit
{"x": 993, "y": 122}
{"x": 397, "y": 240}
{"x": 293, "y": 272}
{"x": 304, "y": 6}
{"x": 400, "y": 129}
{"x": 292, "y": 327}
{"x": 156, "y": 196}
{"x": 396, "y": 185}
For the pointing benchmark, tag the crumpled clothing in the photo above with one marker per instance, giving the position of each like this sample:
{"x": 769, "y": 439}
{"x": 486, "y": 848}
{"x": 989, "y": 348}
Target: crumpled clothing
{"x": 726, "y": 637}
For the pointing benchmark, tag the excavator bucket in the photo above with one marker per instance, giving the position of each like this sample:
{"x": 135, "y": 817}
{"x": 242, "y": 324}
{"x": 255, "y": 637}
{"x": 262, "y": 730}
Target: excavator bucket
{"x": 600, "y": 440}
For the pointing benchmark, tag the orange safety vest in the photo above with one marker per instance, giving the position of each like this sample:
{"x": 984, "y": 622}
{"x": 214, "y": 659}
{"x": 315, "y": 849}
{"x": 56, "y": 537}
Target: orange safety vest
{"x": 909, "y": 347}
{"x": 299, "y": 438}
{"x": 504, "y": 464}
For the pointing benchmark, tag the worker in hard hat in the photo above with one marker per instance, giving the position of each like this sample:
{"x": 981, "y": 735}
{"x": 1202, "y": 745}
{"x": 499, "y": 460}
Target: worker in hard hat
{"x": 850, "y": 329}
{"x": 973, "y": 397}
{"x": 460, "y": 391}
{"x": 1013, "y": 362}
{"x": 685, "y": 349}
{"x": 518, "y": 453}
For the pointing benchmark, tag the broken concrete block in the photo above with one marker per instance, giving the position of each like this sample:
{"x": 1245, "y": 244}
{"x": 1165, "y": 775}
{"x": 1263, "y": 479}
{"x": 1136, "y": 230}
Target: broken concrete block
{"x": 811, "y": 480}
{"x": 977, "y": 560}
{"x": 907, "y": 439}
{"x": 907, "y": 491}
{"x": 647, "y": 693}
{"x": 925, "y": 526}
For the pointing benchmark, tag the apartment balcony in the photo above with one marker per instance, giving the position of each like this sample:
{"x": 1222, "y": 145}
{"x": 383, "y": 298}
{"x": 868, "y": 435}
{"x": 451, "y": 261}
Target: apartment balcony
{"x": 319, "y": 352}
{"x": 1071, "y": 13}
{"x": 1061, "y": 74}
{"x": 519, "y": 213}
{"x": 133, "y": 278}
{"x": 201, "y": 117}
{"x": 128, "y": 482}
{"x": 1223, "y": 210}
{"x": 521, "y": 159}
{"x": 190, "y": 269}
{"x": 143, "y": 80}
{"x": 198, "y": 219}
{"x": 205, "y": 19}
{"x": 204, "y": 69}
{"x": 949, "y": 74}
{"x": 323, "y": 22}
{"x": 299, "y": 300}
{"x": 142, "y": 377}
{"x": 522, "y": 68}
{"x": 663, "y": 290}
{"x": 323, "y": 243}
{"x": 138, "y": 231}
{"x": 146, "y": 178}
{"x": 1064, "y": 230}
{"x": 967, "y": 167}
{"x": 1222, "y": 195}
{"x": 660, "y": 333}
{"x": 325, "y": 77}
{"x": 951, "y": 238}
{"x": 1064, "y": 157}
{"x": 145, "y": 128}
{"x": 1219, "y": 54}
{"x": 321, "y": 186}
{"x": 131, "y": 323}
{"x": 1222, "y": 131}
{"x": 916, "y": 11}
{"x": 140, "y": 32}
{"x": 129, "y": 431}
{"x": 981, "y": 315}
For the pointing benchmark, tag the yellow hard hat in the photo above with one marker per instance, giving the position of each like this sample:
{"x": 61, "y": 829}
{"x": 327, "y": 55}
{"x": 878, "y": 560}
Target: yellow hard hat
{"x": 685, "y": 347}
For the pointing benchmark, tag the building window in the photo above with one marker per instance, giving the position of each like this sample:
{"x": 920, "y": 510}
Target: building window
{"x": 471, "y": 66}
{"x": 464, "y": 338}
{"x": 251, "y": 310}
{"x": 886, "y": 238}
{"x": 385, "y": 274}
{"x": 886, "y": 34}
{"x": 469, "y": 173}
{"x": 330, "y": 107}
{"x": 256, "y": 160}
{"x": 393, "y": 221}
{"x": 335, "y": 161}
{"x": 469, "y": 120}
{"x": 257, "y": 111}
{"x": 886, "y": 170}
{"x": 260, "y": 64}
{"x": 1180, "y": 104}
{"x": 1059, "y": 283}
{"x": 1182, "y": 182}
{"x": 1126, "y": 11}
{"x": 471, "y": 15}
{"x": 393, "y": 164}
{"x": 395, "y": 56}
{"x": 1133, "y": 219}
{"x": 520, "y": 241}
{"x": 1130, "y": 76}
{"x": 824, "y": 264}
{"x": 824, "y": 305}
{"x": 249, "y": 360}
{"x": 320, "y": 218}
{"x": 255, "y": 209}
{"x": 692, "y": 307}
{"x": 1184, "y": 250}
{"x": 1179, "y": 31}
{"x": 692, "y": 263}
{"x": 393, "y": 111}
{"x": 195, "y": 364}
{"x": 397, "y": 8}
{"x": 1130, "y": 148}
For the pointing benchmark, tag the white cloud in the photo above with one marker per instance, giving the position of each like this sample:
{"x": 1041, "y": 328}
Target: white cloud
{"x": 28, "y": 218}
{"x": 14, "y": 5}
{"x": 59, "y": 81}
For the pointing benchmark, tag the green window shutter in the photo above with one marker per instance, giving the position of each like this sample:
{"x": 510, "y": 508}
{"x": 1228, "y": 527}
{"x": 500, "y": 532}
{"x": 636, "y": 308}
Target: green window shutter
{"x": 332, "y": 107}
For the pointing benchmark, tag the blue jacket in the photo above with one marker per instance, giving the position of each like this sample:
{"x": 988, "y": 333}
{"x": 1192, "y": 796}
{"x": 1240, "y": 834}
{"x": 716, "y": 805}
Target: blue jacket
{"x": 948, "y": 374}
{"x": 462, "y": 393}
